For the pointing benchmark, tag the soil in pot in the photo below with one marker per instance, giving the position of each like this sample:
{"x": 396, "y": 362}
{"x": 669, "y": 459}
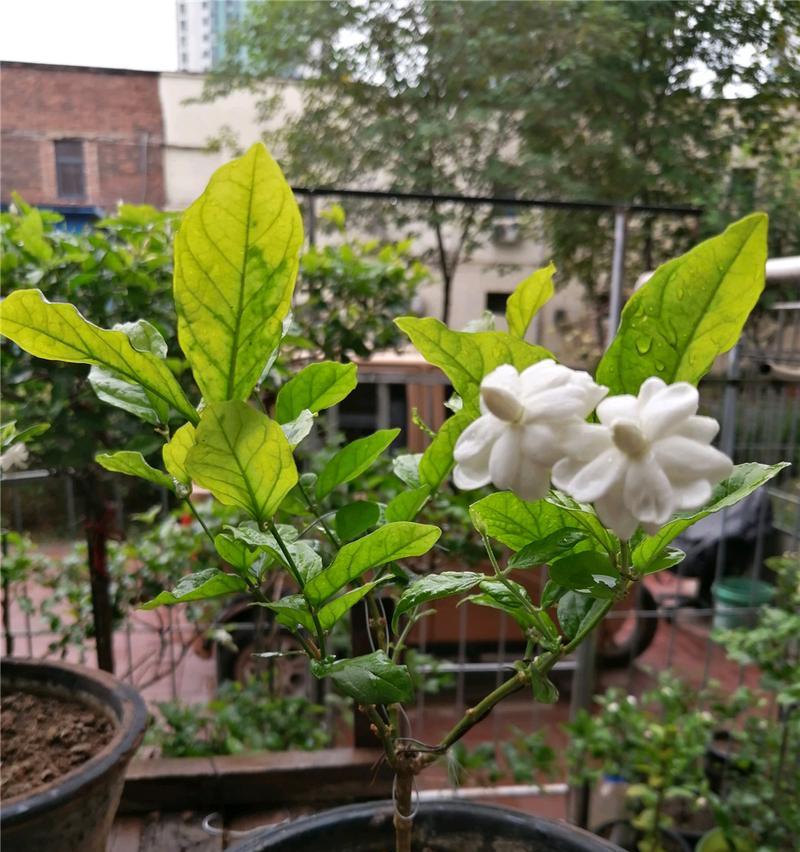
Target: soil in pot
{"x": 46, "y": 736}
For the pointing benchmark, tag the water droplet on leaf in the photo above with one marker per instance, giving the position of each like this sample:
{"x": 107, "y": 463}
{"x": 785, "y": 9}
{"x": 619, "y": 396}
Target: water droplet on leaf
{"x": 643, "y": 345}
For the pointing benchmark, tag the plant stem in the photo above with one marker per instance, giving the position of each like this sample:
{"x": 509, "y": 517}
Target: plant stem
{"x": 403, "y": 819}
{"x": 320, "y": 517}
{"x": 198, "y": 518}
{"x": 299, "y": 580}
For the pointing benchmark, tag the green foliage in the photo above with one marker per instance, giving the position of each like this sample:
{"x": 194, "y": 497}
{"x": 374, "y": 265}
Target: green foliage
{"x": 242, "y": 718}
{"x": 433, "y": 587}
{"x": 133, "y": 464}
{"x": 372, "y": 679}
{"x": 351, "y": 292}
{"x": 243, "y": 458}
{"x": 353, "y": 460}
{"x": 315, "y": 387}
{"x": 466, "y": 357}
{"x": 235, "y": 267}
{"x": 527, "y": 299}
{"x": 691, "y": 310}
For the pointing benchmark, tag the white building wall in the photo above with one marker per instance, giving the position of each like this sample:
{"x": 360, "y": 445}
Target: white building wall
{"x": 189, "y": 163}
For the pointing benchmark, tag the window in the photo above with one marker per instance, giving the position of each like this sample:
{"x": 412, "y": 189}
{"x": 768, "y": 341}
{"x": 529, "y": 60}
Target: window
{"x": 496, "y": 302}
{"x": 69, "y": 168}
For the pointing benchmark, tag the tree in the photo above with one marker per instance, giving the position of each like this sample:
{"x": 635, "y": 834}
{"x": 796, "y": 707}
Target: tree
{"x": 616, "y": 101}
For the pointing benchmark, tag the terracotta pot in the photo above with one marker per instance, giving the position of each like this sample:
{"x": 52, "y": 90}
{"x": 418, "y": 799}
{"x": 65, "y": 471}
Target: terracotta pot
{"x": 76, "y": 810}
{"x": 438, "y": 827}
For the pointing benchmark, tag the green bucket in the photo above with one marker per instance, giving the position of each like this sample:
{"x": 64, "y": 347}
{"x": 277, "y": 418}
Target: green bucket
{"x": 733, "y": 599}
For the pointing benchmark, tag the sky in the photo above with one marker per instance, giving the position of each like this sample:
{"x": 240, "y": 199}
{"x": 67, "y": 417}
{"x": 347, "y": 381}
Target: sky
{"x": 137, "y": 34}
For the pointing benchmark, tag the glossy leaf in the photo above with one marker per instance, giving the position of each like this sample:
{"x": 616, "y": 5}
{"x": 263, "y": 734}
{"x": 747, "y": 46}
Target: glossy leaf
{"x": 298, "y": 429}
{"x": 338, "y": 607}
{"x": 209, "y": 583}
{"x": 496, "y": 595}
{"x": 354, "y": 519}
{"x": 133, "y": 464}
{"x": 243, "y": 458}
{"x": 112, "y": 389}
{"x": 544, "y": 550}
{"x": 406, "y": 469}
{"x": 371, "y": 679}
{"x": 315, "y": 387}
{"x": 236, "y": 553}
{"x": 352, "y": 460}
{"x": 527, "y": 299}
{"x": 544, "y": 690}
{"x": 432, "y": 587}
{"x": 291, "y": 611}
{"x": 466, "y": 357}
{"x": 551, "y": 594}
{"x": 437, "y": 460}
{"x": 587, "y": 572}
{"x": 744, "y": 480}
{"x": 573, "y": 608}
{"x": 236, "y": 259}
{"x": 57, "y": 332}
{"x": 407, "y": 504}
{"x": 690, "y": 311}
{"x": 668, "y": 558}
{"x": 174, "y": 453}
{"x": 387, "y": 543}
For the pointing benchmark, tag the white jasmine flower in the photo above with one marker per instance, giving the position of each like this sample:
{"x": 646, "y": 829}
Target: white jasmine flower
{"x": 519, "y": 435}
{"x": 15, "y": 456}
{"x": 649, "y": 457}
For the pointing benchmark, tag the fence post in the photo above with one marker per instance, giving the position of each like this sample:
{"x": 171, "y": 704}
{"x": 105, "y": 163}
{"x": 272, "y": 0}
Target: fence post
{"x": 583, "y": 681}
{"x": 617, "y": 272}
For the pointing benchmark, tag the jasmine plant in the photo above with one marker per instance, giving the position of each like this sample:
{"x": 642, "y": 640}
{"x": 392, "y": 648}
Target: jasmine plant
{"x": 647, "y": 465}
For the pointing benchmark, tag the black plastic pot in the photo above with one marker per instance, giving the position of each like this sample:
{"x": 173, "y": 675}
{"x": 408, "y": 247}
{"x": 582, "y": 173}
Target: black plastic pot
{"x": 74, "y": 812}
{"x": 438, "y": 827}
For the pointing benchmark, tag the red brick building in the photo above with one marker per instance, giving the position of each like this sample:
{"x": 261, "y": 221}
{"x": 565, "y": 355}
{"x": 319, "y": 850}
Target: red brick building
{"x": 80, "y": 139}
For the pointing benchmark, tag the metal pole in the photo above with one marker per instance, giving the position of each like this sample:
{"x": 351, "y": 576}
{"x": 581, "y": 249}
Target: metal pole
{"x": 583, "y": 680}
{"x": 312, "y": 219}
{"x": 617, "y": 272}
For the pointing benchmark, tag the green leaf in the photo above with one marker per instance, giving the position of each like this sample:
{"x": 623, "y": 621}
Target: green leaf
{"x": 466, "y": 357}
{"x": 584, "y": 517}
{"x": 356, "y": 518}
{"x": 9, "y": 434}
{"x": 296, "y": 430}
{"x": 515, "y": 523}
{"x": 496, "y": 595}
{"x": 544, "y": 690}
{"x": 257, "y": 538}
{"x": 174, "y": 453}
{"x": 315, "y": 387}
{"x": 387, "y": 543}
{"x": 668, "y": 558}
{"x": 588, "y": 572}
{"x": 333, "y": 611}
{"x": 744, "y": 480}
{"x": 372, "y": 679}
{"x": 690, "y": 311}
{"x": 112, "y": 389}
{"x": 243, "y": 458}
{"x": 236, "y": 553}
{"x": 305, "y": 558}
{"x": 573, "y": 609}
{"x": 406, "y": 505}
{"x": 209, "y": 583}
{"x": 551, "y": 593}
{"x": 57, "y": 332}
{"x": 406, "y": 469}
{"x": 352, "y": 460}
{"x": 133, "y": 464}
{"x": 437, "y": 460}
{"x": 433, "y": 587}
{"x": 236, "y": 259}
{"x": 544, "y": 550}
{"x": 291, "y": 611}
{"x": 527, "y": 299}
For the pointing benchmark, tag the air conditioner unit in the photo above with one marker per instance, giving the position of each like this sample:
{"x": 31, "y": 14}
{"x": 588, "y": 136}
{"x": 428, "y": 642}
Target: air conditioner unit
{"x": 506, "y": 231}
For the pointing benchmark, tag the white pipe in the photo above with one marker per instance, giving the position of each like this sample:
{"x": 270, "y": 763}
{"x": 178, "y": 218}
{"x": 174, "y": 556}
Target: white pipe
{"x": 505, "y": 790}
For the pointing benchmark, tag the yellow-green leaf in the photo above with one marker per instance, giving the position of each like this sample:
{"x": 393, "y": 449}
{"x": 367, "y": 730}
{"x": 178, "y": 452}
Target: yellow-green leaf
{"x": 243, "y": 458}
{"x": 527, "y": 299}
{"x": 466, "y": 357}
{"x": 352, "y": 460}
{"x": 236, "y": 258}
{"x": 690, "y": 311}
{"x": 175, "y": 450}
{"x": 133, "y": 464}
{"x": 209, "y": 583}
{"x": 315, "y": 387}
{"x": 387, "y": 543}
{"x": 58, "y": 332}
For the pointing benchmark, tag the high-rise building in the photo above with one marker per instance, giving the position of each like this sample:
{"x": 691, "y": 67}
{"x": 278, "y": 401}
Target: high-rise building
{"x": 202, "y": 25}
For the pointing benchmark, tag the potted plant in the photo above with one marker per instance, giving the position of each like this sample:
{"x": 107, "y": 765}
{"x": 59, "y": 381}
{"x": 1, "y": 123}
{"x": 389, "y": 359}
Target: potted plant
{"x": 656, "y": 746}
{"x": 598, "y": 502}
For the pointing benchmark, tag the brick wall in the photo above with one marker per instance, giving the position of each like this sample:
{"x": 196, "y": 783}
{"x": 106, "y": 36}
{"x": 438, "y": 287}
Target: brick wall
{"x": 116, "y": 115}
